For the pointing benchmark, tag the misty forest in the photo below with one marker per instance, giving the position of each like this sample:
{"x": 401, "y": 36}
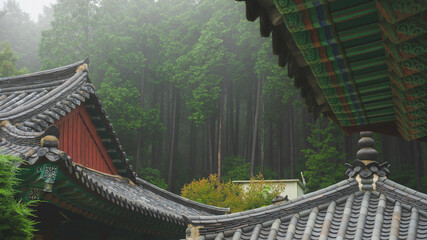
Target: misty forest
{"x": 192, "y": 89}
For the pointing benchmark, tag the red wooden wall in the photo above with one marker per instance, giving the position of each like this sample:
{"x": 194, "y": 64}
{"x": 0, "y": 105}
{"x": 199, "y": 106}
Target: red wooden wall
{"x": 79, "y": 139}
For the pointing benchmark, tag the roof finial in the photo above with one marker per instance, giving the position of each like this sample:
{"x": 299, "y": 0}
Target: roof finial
{"x": 365, "y": 168}
{"x": 366, "y": 144}
{"x": 82, "y": 67}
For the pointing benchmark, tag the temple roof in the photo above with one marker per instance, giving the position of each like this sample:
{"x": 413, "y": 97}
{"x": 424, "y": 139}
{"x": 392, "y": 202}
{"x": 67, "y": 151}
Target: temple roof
{"x": 340, "y": 211}
{"x": 34, "y": 101}
{"x": 362, "y": 63}
{"x": 29, "y": 105}
{"x": 365, "y": 206}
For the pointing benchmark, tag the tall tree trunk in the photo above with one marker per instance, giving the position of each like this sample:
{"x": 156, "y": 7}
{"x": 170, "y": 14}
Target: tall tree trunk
{"x": 169, "y": 108}
{"x": 230, "y": 136}
{"x": 418, "y": 165}
{"x": 409, "y": 152}
{"x": 172, "y": 139}
{"x": 248, "y": 124}
{"x": 236, "y": 128}
{"x": 205, "y": 153}
{"x": 291, "y": 137}
{"x": 221, "y": 110}
{"x": 209, "y": 135}
{"x": 178, "y": 118}
{"x": 192, "y": 162}
{"x": 286, "y": 161}
{"x": 318, "y": 136}
{"x": 270, "y": 144}
{"x": 140, "y": 130}
{"x": 279, "y": 148}
{"x": 159, "y": 160}
{"x": 261, "y": 135}
{"x": 309, "y": 123}
{"x": 306, "y": 127}
{"x": 154, "y": 144}
{"x": 255, "y": 128}
{"x": 214, "y": 141}
{"x": 248, "y": 127}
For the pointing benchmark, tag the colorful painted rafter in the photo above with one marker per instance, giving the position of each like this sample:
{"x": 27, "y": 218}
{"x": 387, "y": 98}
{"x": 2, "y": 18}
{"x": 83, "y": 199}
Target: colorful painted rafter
{"x": 404, "y": 29}
{"x": 368, "y": 58}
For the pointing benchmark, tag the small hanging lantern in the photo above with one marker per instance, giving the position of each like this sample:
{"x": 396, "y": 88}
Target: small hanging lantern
{"x": 49, "y": 175}
{"x": 48, "y": 185}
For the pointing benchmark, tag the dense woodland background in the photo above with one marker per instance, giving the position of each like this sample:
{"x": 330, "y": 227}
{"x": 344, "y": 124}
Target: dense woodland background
{"x": 192, "y": 89}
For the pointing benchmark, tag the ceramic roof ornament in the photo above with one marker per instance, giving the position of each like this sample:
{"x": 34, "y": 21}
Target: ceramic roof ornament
{"x": 365, "y": 169}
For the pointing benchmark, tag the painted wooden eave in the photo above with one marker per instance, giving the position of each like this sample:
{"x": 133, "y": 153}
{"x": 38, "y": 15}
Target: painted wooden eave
{"x": 361, "y": 63}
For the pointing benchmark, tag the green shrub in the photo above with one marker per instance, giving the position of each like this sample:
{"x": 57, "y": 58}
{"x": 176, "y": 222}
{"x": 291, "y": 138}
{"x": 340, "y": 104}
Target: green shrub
{"x": 259, "y": 193}
{"x": 228, "y": 194}
{"x": 14, "y": 221}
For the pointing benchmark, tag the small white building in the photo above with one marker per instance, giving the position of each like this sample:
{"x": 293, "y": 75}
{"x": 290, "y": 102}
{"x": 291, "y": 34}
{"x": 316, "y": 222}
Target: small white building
{"x": 293, "y": 187}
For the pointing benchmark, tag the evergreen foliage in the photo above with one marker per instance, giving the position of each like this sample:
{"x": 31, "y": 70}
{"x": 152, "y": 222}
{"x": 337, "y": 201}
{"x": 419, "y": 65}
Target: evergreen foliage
{"x": 71, "y": 34}
{"x": 8, "y": 61}
{"x": 324, "y": 159}
{"x": 235, "y": 169}
{"x": 14, "y": 215}
{"x": 153, "y": 176}
{"x": 120, "y": 98}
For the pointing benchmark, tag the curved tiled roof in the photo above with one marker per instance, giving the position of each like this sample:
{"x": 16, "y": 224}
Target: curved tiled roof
{"x": 340, "y": 211}
{"x": 140, "y": 196}
{"x": 34, "y": 101}
{"x": 31, "y": 103}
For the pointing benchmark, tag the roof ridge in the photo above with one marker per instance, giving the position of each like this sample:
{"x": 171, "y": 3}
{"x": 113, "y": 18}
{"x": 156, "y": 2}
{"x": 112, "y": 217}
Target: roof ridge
{"x": 403, "y": 188}
{"x": 48, "y": 71}
{"x": 78, "y": 165}
{"x": 405, "y": 195}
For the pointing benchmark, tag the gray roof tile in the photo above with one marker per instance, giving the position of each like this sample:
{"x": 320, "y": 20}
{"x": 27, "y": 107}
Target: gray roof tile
{"x": 341, "y": 211}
